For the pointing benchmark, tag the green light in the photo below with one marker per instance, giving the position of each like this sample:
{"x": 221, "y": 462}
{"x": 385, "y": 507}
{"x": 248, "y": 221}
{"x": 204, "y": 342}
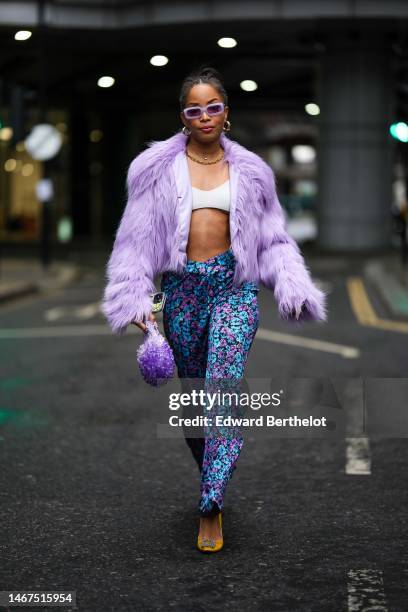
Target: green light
{"x": 399, "y": 131}
{"x": 13, "y": 383}
{"x": 64, "y": 229}
{"x": 21, "y": 418}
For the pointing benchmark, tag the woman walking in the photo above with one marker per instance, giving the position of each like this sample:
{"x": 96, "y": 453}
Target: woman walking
{"x": 203, "y": 211}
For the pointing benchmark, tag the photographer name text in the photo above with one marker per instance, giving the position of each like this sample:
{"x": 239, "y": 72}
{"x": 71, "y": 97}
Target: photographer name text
{"x": 260, "y": 421}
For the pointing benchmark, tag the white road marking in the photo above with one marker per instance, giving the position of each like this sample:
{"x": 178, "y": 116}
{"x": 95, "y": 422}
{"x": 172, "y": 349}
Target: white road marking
{"x": 86, "y": 311}
{"x": 53, "y": 314}
{"x": 365, "y": 590}
{"x": 348, "y": 352}
{"x": 57, "y": 332}
{"x": 104, "y": 330}
{"x": 358, "y": 456}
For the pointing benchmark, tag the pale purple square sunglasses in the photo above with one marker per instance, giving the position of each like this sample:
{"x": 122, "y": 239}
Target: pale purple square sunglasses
{"x": 195, "y": 112}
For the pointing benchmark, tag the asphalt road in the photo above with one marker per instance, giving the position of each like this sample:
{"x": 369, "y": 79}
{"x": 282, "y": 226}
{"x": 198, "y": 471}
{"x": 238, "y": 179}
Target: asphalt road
{"x": 94, "y": 501}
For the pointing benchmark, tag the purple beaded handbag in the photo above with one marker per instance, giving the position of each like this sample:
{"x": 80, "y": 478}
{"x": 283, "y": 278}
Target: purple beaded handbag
{"x": 155, "y": 357}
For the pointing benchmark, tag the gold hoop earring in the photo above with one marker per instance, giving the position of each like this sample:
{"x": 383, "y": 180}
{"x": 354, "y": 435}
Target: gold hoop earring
{"x": 186, "y": 131}
{"x": 227, "y": 127}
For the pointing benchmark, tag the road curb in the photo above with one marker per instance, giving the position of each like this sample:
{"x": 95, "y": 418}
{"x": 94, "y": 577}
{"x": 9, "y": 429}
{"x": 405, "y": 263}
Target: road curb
{"x": 58, "y": 276}
{"x": 391, "y": 289}
{"x": 11, "y": 291}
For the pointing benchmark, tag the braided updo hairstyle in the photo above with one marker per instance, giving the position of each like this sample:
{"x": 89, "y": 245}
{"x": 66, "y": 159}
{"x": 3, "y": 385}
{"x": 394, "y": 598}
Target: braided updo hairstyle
{"x": 203, "y": 74}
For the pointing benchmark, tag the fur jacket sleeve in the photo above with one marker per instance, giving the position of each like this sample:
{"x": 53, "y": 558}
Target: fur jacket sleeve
{"x": 281, "y": 264}
{"x": 129, "y": 272}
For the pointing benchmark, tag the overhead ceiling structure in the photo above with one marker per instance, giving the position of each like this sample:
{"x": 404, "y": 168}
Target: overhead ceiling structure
{"x": 279, "y": 44}
{"x": 118, "y": 14}
{"x": 348, "y": 56}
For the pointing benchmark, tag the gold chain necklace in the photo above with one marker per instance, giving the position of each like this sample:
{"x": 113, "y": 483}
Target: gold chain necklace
{"x": 206, "y": 163}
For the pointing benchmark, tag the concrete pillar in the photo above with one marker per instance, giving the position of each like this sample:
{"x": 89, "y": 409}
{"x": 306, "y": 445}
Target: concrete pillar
{"x": 355, "y": 149}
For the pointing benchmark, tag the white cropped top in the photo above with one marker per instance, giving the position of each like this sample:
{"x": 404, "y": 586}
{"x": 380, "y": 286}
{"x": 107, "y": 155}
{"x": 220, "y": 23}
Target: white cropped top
{"x": 219, "y": 197}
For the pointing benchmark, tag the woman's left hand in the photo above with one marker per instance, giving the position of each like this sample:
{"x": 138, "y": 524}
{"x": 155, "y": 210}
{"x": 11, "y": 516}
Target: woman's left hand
{"x": 298, "y": 311}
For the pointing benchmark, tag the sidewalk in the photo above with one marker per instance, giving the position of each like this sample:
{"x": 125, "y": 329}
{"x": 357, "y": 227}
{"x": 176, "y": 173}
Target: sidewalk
{"x": 390, "y": 278}
{"x": 20, "y": 276}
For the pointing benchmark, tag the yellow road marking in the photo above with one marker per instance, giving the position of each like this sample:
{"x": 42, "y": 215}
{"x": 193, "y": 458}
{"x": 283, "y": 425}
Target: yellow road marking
{"x": 364, "y": 311}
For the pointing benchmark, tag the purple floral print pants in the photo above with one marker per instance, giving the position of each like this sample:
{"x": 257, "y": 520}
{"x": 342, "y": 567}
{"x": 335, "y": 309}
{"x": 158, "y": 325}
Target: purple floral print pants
{"x": 210, "y": 325}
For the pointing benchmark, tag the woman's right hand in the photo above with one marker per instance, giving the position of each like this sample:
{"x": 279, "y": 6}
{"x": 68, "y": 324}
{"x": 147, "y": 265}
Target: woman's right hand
{"x": 142, "y": 325}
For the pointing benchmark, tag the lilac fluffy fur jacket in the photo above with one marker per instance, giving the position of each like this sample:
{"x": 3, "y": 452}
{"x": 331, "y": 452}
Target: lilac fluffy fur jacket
{"x": 153, "y": 233}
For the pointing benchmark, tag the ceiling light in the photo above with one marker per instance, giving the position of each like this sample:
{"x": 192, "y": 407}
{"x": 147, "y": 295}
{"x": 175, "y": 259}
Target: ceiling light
{"x": 248, "y": 85}
{"x": 303, "y": 154}
{"x": 106, "y": 81}
{"x": 27, "y": 169}
{"x": 95, "y": 135}
{"x": 227, "y": 43}
{"x": 6, "y": 133}
{"x": 159, "y": 60}
{"x": 10, "y": 164}
{"x": 22, "y": 35}
{"x": 312, "y": 109}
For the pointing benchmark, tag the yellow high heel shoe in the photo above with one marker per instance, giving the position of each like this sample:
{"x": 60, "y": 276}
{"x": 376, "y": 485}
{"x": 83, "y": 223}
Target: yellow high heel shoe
{"x": 211, "y": 544}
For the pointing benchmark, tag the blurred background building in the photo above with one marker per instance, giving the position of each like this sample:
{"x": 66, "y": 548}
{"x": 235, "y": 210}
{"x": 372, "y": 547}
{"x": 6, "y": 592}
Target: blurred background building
{"x": 318, "y": 88}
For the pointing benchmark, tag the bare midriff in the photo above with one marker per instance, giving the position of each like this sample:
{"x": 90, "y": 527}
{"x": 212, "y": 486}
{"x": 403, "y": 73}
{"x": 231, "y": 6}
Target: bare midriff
{"x": 209, "y": 227}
